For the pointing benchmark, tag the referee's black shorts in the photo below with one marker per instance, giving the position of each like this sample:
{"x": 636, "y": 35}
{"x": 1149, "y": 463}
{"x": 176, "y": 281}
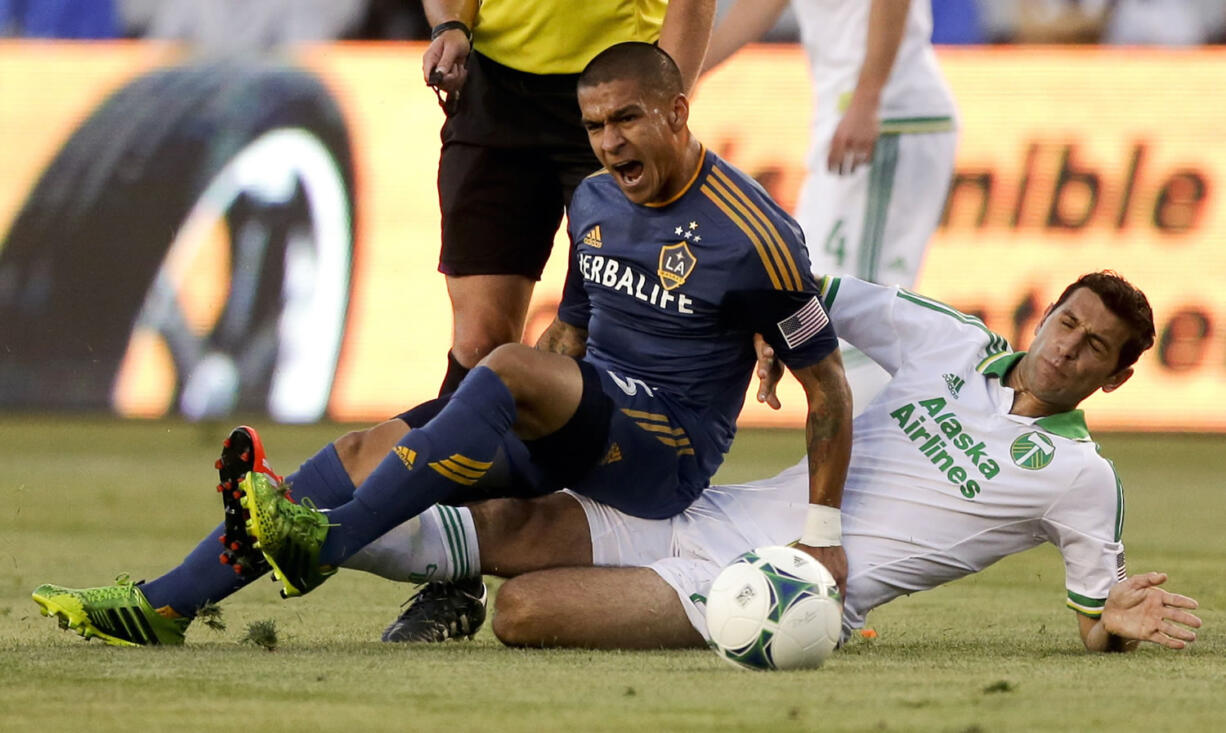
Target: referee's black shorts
{"x": 514, "y": 149}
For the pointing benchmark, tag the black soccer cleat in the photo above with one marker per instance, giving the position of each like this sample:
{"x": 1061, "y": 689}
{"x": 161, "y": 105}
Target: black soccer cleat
{"x": 241, "y": 453}
{"x": 441, "y": 611}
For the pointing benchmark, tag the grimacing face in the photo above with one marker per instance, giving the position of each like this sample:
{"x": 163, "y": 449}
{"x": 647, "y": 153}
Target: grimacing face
{"x": 1075, "y": 352}
{"x": 638, "y": 136}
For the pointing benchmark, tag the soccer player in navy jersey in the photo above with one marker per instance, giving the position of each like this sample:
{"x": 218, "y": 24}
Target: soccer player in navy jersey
{"x": 680, "y": 259}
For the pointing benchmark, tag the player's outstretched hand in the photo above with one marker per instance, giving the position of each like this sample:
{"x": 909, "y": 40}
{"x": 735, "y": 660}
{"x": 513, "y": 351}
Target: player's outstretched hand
{"x": 835, "y": 560}
{"x": 444, "y": 66}
{"x": 1138, "y": 609}
{"x": 769, "y": 370}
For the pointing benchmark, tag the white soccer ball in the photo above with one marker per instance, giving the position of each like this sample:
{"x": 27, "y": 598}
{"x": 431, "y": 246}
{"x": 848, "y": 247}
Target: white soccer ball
{"x": 774, "y": 608}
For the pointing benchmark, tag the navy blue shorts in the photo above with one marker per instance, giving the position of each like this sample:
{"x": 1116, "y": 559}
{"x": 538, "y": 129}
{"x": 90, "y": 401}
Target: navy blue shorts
{"x": 624, "y": 447}
{"x": 648, "y": 467}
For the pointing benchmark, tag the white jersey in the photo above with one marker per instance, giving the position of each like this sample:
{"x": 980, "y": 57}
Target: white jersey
{"x": 944, "y": 481}
{"x": 835, "y": 34}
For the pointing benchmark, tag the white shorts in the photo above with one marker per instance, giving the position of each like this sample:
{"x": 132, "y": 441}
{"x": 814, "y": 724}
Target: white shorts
{"x": 875, "y": 223}
{"x": 690, "y": 549}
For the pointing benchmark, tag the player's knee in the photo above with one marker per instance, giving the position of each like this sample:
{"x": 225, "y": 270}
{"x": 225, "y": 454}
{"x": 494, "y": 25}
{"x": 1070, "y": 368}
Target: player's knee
{"x": 511, "y": 363}
{"x": 361, "y": 451}
{"x": 349, "y": 449}
{"x": 479, "y": 331}
{"x": 473, "y": 345}
{"x": 518, "y": 616}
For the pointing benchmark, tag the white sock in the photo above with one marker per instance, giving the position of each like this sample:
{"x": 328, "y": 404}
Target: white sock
{"x": 439, "y": 544}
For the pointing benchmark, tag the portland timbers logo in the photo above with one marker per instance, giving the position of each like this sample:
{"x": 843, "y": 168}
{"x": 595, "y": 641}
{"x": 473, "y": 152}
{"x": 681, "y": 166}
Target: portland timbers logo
{"x": 1032, "y": 451}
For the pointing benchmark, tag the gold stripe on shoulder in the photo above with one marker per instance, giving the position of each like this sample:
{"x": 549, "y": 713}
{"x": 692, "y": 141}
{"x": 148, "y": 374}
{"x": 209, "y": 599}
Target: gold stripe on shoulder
{"x": 601, "y": 172}
{"x": 749, "y": 232}
{"x": 772, "y": 233}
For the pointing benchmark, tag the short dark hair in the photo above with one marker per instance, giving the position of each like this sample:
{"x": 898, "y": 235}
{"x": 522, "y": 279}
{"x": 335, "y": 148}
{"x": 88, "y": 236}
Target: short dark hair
{"x": 1127, "y": 302}
{"x": 645, "y": 63}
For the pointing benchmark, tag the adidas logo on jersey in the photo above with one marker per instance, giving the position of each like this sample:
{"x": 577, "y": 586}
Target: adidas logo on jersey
{"x": 954, "y": 382}
{"x": 592, "y": 238}
{"x": 613, "y": 456}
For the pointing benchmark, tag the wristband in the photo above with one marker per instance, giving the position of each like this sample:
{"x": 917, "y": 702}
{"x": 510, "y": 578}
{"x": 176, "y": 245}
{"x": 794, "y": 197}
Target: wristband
{"x": 448, "y": 25}
{"x": 823, "y": 527}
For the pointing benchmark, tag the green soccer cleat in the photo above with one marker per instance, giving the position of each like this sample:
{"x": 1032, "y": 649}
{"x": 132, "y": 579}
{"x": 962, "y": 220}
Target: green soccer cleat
{"x": 118, "y": 614}
{"x": 288, "y": 534}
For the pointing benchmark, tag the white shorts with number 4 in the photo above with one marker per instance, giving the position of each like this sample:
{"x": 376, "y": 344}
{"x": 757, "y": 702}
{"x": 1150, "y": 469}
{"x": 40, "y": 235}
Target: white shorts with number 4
{"x": 875, "y": 223}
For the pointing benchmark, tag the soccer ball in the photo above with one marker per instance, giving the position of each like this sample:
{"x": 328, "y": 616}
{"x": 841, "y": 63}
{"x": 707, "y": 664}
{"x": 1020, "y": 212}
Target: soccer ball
{"x": 774, "y": 608}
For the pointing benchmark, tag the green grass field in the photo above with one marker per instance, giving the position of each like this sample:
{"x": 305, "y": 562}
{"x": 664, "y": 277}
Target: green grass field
{"x": 84, "y": 500}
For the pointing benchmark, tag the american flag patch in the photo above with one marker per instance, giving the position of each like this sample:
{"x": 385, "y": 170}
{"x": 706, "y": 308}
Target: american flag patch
{"x": 804, "y": 323}
{"x": 1121, "y": 569}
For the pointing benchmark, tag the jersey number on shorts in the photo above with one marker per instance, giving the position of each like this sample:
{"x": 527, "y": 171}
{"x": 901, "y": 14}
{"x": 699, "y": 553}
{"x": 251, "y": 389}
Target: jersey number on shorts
{"x": 630, "y": 385}
{"x": 836, "y": 243}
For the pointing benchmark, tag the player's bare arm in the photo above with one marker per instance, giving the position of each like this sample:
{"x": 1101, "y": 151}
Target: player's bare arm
{"x": 856, "y": 135}
{"x": 828, "y": 446}
{"x": 443, "y": 64}
{"x": 1138, "y": 610}
{"x": 685, "y": 34}
{"x": 563, "y": 338}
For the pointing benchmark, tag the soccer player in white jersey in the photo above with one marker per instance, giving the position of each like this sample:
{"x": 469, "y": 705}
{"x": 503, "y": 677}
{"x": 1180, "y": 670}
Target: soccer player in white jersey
{"x": 972, "y": 452}
{"x": 881, "y": 153}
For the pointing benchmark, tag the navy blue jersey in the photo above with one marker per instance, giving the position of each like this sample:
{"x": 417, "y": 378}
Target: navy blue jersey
{"x": 672, "y": 294}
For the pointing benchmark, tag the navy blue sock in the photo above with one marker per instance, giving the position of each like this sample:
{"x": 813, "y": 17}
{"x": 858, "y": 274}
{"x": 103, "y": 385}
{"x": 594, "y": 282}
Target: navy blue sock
{"x": 455, "y": 374}
{"x": 202, "y": 579}
{"x": 429, "y": 465}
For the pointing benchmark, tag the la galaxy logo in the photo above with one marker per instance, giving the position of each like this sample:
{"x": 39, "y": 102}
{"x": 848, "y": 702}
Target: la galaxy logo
{"x": 1032, "y": 451}
{"x": 676, "y": 264}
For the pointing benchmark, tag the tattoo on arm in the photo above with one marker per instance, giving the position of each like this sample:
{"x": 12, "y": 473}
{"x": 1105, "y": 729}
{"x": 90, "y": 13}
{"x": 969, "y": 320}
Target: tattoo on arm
{"x": 563, "y": 338}
{"x": 823, "y": 424}
{"x": 827, "y": 428}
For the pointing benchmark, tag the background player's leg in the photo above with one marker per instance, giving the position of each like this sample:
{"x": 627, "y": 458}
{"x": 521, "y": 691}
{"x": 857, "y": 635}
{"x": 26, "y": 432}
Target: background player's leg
{"x": 487, "y": 311}
{"x": 922, "y": 171}
{"x": 907, "y": 187}
{"x": 596, "y": 608}
{"x": 501, "y": 209}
